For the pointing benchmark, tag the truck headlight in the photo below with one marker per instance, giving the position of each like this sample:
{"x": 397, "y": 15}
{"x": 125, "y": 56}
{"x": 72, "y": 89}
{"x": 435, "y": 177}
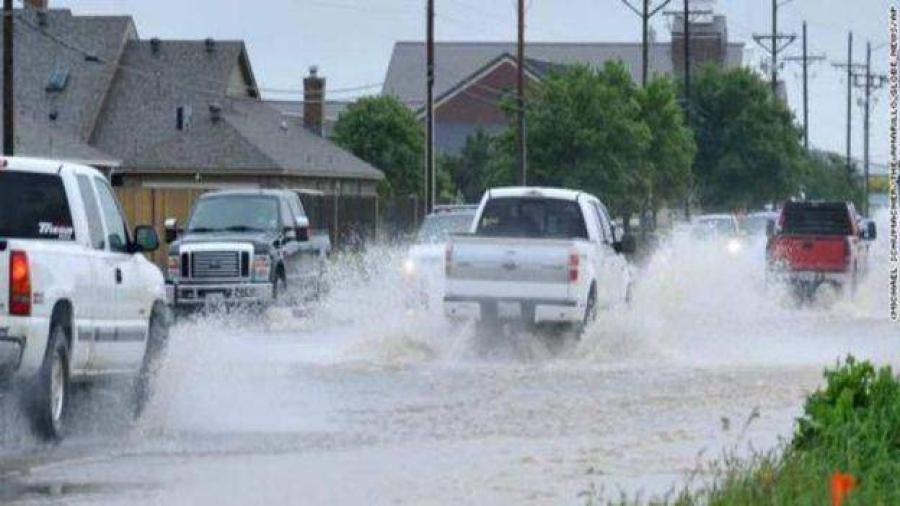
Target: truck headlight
{"x": 174, "y": 267}
{"x": 262, "y": 267}
{"x": 409, "y": 267}
{"x": 734, "y": 246}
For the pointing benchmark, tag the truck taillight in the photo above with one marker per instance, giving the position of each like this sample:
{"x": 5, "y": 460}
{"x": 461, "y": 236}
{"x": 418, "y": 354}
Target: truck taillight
{"x": 574, "y": 263}
{"x": 448, "y": 259}
{"x": 19, "y": 284}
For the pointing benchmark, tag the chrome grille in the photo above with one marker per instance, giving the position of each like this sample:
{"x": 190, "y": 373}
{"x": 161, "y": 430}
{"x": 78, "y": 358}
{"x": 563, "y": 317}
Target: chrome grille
{"x": 215, "y": 265}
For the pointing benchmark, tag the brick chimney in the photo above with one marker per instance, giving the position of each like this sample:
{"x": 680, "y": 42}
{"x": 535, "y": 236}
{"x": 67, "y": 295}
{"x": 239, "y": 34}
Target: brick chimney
{"x": 38, "y": 5}
{"x": 313, "y": 101}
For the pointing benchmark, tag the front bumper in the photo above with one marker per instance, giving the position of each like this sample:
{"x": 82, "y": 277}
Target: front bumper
{"x": 193, "y": 295}
{"x": 23, "y": 341}
{"x": 545, "y": 310}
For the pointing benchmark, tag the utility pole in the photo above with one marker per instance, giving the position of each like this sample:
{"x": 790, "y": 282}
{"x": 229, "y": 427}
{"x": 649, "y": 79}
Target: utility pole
{"x": 429, "y": 114}
{"x": 774, "y": 43}
{"x": 849, "y": 66}
{"x": 684, "y": 16}
{"x": 871, "y": 82}
{"x": 849, "y": 103}
{"x": 521, "y": 133}
{"x": 9, "y": 137}
{"x": 805, "y": 59}
{"x": 645, "y": 13}
{"x": 687, "y": 62}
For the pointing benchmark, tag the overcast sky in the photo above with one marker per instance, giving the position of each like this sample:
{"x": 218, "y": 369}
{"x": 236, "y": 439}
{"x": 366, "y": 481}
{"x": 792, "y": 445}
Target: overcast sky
{"x": 351, "y": 40}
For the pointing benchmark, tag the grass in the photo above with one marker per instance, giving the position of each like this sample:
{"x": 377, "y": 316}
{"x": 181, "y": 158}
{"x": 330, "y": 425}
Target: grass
{"x": 851, "y": 425}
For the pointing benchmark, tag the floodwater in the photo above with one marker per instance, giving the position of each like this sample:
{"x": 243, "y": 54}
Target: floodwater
{"x": 361, "y": 400}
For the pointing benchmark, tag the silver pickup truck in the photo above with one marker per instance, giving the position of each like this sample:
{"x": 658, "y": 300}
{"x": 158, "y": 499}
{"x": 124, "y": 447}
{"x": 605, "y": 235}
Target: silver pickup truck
{"x": 539, "y": 255}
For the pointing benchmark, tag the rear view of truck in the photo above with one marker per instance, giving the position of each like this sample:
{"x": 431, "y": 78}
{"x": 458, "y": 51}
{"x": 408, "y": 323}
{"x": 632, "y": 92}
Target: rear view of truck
{"x": 819, "y": 243}
{"x": 537, "y": 256}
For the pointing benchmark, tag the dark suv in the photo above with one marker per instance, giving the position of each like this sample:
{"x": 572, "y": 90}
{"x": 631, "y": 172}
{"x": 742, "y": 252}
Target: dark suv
{"x": 242, "y": 246}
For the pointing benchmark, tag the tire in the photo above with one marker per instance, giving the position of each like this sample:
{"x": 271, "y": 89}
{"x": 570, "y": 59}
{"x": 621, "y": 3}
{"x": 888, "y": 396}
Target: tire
{"x": 47, "y": 398}
{"x": 279, "y": 286}
{"x": 590, "y": 314}
{"x": 157, "y": 339}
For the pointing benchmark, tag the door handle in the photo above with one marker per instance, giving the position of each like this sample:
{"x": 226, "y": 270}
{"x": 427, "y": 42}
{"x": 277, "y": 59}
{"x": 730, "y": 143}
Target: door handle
{"x": 118, "y": 276}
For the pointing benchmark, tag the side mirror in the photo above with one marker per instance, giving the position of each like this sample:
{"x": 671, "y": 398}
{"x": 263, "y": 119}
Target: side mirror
{"x": 770, "y": 228}
{"x": 871, "y": 231}
{"x": 171, "y": 226}
{"x": 290, "y": 234}
{"x": 145, "y": 239}
{"x": 303, "y": 229}
{"x": 627, "y": 246}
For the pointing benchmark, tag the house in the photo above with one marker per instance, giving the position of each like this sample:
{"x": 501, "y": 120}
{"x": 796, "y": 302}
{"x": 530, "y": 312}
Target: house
{"x": 163, "y": 113}
{"x": 472, "y": 77}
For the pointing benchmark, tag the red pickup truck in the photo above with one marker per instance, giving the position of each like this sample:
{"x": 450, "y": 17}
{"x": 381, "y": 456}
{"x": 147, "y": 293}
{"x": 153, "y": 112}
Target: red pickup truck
{"x": 815, "y": 243}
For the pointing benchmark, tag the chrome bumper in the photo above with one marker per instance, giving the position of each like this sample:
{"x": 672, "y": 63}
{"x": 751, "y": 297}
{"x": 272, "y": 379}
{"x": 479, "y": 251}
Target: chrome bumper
{"x": 545, "y": 310}
{"x": 200, "y": 294}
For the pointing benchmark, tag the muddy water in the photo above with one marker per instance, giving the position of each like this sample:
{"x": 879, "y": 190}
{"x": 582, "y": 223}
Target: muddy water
{"x": 360, "y": 399}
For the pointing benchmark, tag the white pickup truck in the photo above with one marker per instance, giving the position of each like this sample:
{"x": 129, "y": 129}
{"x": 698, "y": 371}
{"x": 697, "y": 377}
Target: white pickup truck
{"x": 77, "y": 299}
{"x": 540, "y": 255}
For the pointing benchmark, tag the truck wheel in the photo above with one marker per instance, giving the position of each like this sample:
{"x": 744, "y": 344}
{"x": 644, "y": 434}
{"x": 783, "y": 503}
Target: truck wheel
{"x": 157, "y": 338}
{"x": 47, "y": 399}
{"x": 279, "y": 286}
{"x": 590, "y": 314}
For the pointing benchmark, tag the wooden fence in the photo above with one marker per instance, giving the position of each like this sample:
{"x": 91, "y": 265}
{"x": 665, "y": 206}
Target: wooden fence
{"x": 349, "y": 220}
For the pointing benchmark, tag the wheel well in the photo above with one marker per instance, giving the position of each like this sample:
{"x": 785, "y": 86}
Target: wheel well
{"x": 64, "y": 314}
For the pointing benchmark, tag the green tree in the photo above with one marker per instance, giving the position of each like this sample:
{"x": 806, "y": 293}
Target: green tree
{"x": 825, "y": 177}
{"x": 584, "y": 131}
{"x": 670, "y": 154}
{"x": 385, "y": 133}
{"x": 749, "y": 150}
{"x": 469, "y": 169}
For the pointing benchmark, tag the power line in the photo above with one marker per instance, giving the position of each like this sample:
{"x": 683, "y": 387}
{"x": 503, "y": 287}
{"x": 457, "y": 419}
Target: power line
{"x": 774, "y": 43}
{"x": 805, "y": 59}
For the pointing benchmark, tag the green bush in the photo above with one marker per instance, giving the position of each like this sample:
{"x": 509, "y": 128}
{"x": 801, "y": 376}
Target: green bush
{"x": 851, "y": 425}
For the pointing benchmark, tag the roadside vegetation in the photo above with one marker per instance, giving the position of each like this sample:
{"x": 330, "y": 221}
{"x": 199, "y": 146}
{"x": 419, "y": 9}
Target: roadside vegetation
{"x": 847, "y": 442}
{"x": 734, "y": 146}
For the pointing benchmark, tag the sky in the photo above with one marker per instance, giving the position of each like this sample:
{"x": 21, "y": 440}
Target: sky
{"x": 351, "y": 40}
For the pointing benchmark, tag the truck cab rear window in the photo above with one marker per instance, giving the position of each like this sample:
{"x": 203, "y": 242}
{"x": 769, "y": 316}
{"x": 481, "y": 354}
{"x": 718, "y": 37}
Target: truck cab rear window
{"x": 529, "y": 217}
{"x": 816, "y": 220}
{"x": 34, "y": 206}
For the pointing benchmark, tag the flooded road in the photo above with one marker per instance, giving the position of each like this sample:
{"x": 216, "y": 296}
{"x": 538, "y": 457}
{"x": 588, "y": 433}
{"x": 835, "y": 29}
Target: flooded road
{"x": 360, "y": 400}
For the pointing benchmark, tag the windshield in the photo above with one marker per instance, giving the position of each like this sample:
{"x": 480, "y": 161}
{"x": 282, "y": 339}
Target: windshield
{"x": 34, "y": 206}
{"x": 530, "y": 217}
{"x": 756, "y": 225}
{"x": 437, "y": 228}
{"x": 235, "y": 214}
{"x": 713, "y": 227}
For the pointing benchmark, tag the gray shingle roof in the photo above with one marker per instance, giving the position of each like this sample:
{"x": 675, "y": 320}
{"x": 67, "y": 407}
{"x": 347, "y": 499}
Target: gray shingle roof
{"x": 38, "y": 53}
{"x": 118, "y": 107}
{"x": 252, "y": 136}
{"x": 455, "y": 61}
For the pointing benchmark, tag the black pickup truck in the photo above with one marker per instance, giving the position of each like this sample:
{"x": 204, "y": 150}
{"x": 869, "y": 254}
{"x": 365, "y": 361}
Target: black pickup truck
{"x": 243, "y": 246}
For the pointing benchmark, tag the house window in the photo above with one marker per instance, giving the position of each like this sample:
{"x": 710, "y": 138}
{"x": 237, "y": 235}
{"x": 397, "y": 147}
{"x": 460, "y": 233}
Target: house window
{"x": 58, "y": 80}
